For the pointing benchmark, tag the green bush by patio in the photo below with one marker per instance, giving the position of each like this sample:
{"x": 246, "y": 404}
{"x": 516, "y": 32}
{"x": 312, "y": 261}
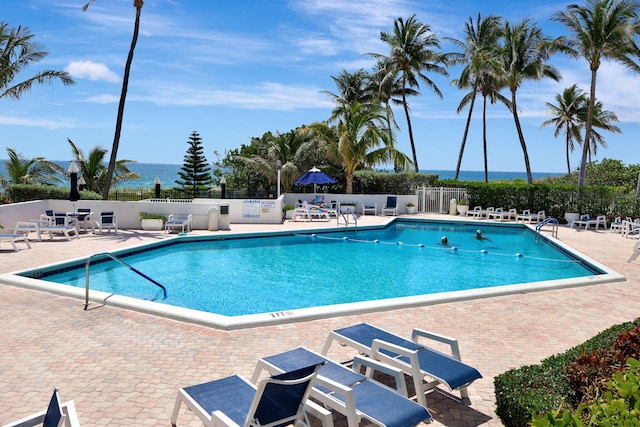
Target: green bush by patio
{"x": 528, "y": 391}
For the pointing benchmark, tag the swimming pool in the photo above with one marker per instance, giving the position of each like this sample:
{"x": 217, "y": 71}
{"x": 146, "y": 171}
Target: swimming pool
{"x": 288, "y": 277}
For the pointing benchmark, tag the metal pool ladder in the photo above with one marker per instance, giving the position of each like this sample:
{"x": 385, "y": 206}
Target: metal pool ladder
{"x": 554, "y": 226}
{"x": 345, "y": 217}
{"x": 118, "y": 260}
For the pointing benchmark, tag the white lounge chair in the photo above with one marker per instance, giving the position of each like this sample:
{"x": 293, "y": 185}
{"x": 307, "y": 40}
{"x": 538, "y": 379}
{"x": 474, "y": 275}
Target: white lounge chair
{"x": 528, "y": 217}
{"x": 501, "y": 215}
{"x": 15, "y": 237}
{"x": 599, "y": 221}
{"x": 475, "y": 212}
{"x": 85, "y": 216}
{"x": 56, "y": 415}
{"x": 587, "y": 221}
{"x": 234, "y": 401}
{"x": 413, "y": 358}
{"x": 391, "y": 206}
{"x": 582, "y": 220}
{"x": 495, "y": 214}
{"x": 635, "y": 252}
{"x": 56, "y": 223}
{"x": 350, "y": 393}
{"x": 630, "y": 228}
{"x": 178, "y": 221}
{"x": 309, "y": 213}
{"x": 616, "y": 225}
{"x": 485, "y": 212}
{"x": 108, "y": 221}
{"x": 369, "y": 209}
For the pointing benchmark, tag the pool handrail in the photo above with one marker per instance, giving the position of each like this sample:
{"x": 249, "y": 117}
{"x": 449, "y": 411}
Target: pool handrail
{"x": 345, "y": 215}
{"x": 118, "y": 260}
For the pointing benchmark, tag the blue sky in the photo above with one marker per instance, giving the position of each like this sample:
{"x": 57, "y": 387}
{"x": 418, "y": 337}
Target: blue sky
{"x": 234, "y": 70}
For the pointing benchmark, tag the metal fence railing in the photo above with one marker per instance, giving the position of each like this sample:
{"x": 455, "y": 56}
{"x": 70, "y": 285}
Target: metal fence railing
{"x": 437, "y": 199}
{"x": 132, "y": 195}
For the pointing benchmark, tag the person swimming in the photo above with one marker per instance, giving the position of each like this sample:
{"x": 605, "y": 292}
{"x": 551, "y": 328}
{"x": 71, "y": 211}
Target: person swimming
{"x": 479, "y": 236}
{"x": 444, "y": 241}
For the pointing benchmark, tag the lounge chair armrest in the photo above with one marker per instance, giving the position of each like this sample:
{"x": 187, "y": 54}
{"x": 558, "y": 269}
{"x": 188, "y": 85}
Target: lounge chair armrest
{"x": 375, "y": 365}
{"x": 334, "y": 386}
{"x": 69, "y": 408}
{"x": 378, "y": 345}
{"x": 29, "y": 421}
{"x": 220, "y": 418}
{"x": 452, "y": 342}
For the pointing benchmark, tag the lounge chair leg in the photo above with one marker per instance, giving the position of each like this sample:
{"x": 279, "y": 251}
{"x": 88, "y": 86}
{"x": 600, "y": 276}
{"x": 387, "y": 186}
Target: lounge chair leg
{"x": 176, "y": 410}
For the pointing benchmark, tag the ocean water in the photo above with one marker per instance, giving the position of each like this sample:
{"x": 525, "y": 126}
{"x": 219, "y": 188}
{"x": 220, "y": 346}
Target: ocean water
{"x": 168, "y": 174}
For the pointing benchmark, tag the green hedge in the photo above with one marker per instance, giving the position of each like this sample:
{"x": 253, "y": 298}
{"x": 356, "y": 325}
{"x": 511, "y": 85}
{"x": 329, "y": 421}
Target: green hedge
{"x": 376, "y": 182}
{"x": 617, "y": 405}
{"x": 25, "y": 192}
{"x": 526, "y": 392}
{"x": 554, "y": 199}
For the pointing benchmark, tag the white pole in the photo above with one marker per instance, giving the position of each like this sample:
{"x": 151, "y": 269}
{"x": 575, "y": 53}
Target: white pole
{"x": 278, "y": 183}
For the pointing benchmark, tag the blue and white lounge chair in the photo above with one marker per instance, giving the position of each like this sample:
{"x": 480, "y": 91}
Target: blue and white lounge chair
{"x": 350, "y": 393}
{"x": 234, "y": 401}
{"x": 391, "y": 206}
{"x": 178, "y": 221}
{"x": 57, "y": 415}
{"x": 15, "y": 237}
{"x": 411, "y": 357}
{"x": 108, "y": 221}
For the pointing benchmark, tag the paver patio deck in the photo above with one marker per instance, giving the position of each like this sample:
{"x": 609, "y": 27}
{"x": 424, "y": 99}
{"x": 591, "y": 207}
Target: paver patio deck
{"x": 123, "y": 368}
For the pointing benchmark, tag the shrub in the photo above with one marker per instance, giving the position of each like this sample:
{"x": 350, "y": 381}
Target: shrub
{"x": 619, "y": 405}
{"x": 146, "y": 215}
{"x": 589, "y": 372}
{"x": 26, "y": 192}
{"x": 529, "y": 391}
{"x": 555, "y": 199}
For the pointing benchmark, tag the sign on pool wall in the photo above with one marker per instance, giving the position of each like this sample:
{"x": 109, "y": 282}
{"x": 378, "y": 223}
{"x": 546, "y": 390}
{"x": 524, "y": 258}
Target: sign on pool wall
{"x": 253, "y": 208}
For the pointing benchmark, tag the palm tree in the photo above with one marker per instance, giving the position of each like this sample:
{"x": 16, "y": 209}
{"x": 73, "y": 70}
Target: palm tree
{"x": 37, "y": 171}
{"x": 490, "y": 86}
{"x": 601, "y": 29}
{"x": 411, "y": 54}
{"x": 478, "y": 52}
{"x": 291, "y": 150}
{"x": 123, "y": 95}
{"x": 602, "y": 119}
{"x": 18, "y": 52}
{"x": 524, "y": 55}
{"x": 568, "y": 113}
{"x": 356, "y": 137}
{"x": 386, "y": 92}
{"x": 93, "y": 171}
{"x": 352, "y": 87}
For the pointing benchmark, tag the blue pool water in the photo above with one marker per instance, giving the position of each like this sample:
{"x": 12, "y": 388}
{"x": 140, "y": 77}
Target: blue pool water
{"x": 239, "y": 276}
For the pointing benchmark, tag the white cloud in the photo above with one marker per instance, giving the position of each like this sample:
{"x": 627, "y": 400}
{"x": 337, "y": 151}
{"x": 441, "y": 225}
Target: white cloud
{"x": 266, "y": 96}
{"x": 103, "y": 99}
{"x": 92, "y": 71}
{"x": 48, "y": 124}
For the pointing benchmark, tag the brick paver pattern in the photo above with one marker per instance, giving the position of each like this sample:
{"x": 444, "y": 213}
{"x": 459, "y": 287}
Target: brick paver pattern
{"x": 123, "y": 368}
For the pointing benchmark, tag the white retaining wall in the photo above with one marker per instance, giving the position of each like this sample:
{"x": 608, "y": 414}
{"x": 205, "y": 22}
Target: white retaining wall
{"x": 241, "y": 211}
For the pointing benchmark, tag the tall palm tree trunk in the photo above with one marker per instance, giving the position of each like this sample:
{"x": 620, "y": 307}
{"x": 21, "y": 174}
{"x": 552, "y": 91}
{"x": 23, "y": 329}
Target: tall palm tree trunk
{"x": 466, "y": 133}
{"x": 523, "y": 144}
{"x": 567, "y": 148}
{"x": 413, "y": 145}
{"x": 587, "y": 134}
{"x": 484, "y": 140}
{"x": 123, "y": 95}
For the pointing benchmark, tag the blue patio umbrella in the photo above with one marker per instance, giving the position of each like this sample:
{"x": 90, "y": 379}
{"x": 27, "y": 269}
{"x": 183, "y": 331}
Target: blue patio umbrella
{"x": 315, "y": 176}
